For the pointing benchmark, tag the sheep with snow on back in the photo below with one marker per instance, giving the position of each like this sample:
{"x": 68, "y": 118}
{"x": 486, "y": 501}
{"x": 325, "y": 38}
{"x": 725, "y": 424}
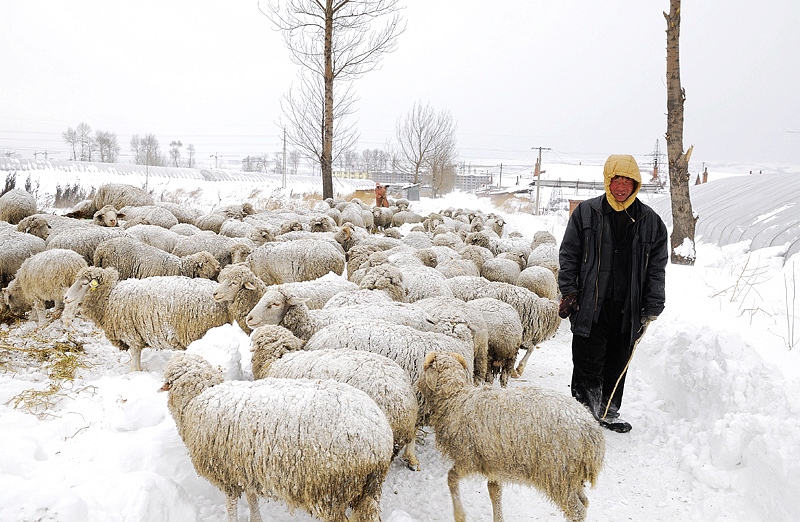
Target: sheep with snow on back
{"x": 41, "y": 278}
{"x": 551, "y": 442}
{"x": 504, "y": 329}
{"x": 120, "y": 195}
{"x": 545, "y": 255}
{"x": 154, "y": 235}
{"x": 81, "y": 238}
{"x": 15, "y": 248}
{"x": 135, "y": 259}
{"x": 16, "y": 205}
{"x": 164, "y": 312}
{"x": 278, "y": 306}
{"x": 278, "y": 353}
{"x": 501, "y": 269}
{"x": 298, "y": 260}
{"x": 245, "y": 437}
{"x": 540, "y": 281}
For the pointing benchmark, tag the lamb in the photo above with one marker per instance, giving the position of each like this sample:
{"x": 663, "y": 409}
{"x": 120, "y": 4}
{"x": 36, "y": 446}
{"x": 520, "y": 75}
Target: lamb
{"x": 278, "y": 353}
{"x": 245, "y": 437}
{"x": 16, "y": 205}
{"x": 280, "y": 307}
{"x": 134, "y": 259}
{"x": 504, "y": 329}
{"x": 15, "y": 248}
{"x": 43, "y": 277}
{"x": 164, "y": 312}
{"x": 299, "y": 260}
{"x": 550, "y": 442}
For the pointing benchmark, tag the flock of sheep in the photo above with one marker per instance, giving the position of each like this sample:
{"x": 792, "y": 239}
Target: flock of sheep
{"x": 414, "y": 331}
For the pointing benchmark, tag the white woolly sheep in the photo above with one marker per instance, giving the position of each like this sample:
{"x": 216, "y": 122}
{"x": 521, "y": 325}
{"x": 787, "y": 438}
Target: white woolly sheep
{"x": 423, "y": 281}
{"x": 540, "y": 281}
{"x": 497, "y": 245}
{"x": 240, "y": 289}
{"x": 182, "y": 213}
{"x": 418, "y": 240}
{"x": 300, "y": 260}
{"x": 280, "y": 307}
{"x": 550, "y": 442}
{"x": 278, "y": 353}
{"x": 107, "y": 216}
{"x": 134, "y": 259}
{"x": 151, "y": 214}
{"x": 541, "y": 237}
{"x": 83, "y": 239}
{"x": 15, "y": 248}
{"x": 477, "y": 254}
{"x": 41, "y": 278}
{"x": 452, "y": 311}
{"x": 546, "y": 255}
{"x": 382, "y": 217}
{"x": 458, "y": 267}
{"x": 16, "y": 205}
{"x": 236, "y": 228}
{"x": 539, "y": 315}
{"x": 349, "y": 236}
{"x": 505, "y": 336}
{"x": 245, "y": 437}
{"x": 501, "y": 269}
{"x": 36, "y": 225}
{"x": 219, "y": 246}
{"x": 166, "y": 312}
{"x": 120, "y": 195}
{"x": 153, "y": 235}
{"x": 185, "y": 229}
{"x": 401, "y": 217}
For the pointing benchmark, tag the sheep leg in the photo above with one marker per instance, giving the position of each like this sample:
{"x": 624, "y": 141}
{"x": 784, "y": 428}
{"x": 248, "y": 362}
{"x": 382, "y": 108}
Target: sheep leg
{"x": 231, "y": 505}
{"x": 39, "y": 311}
{"x": 575, "y": 508}
{"x": 458, "y": 509}
{"x": 521, "y": 366}
{"x": 255, "y": 512}
{"x": 410, "y": 456}
{"x": 136, "y": 358}
{"x": 496, "y": 494}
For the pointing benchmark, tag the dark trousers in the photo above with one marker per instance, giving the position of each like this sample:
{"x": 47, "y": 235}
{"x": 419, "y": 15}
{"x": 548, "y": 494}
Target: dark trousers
{"x": 598, "y": 360}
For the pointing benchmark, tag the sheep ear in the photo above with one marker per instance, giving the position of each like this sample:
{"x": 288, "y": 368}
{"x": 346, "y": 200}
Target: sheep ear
{"x": 294, "y": 301}
{"x": 428, "y": 360}
{"x": 120, "y": 215}
{"x": 249, "y": 285}
{"x": 460, "y": 358}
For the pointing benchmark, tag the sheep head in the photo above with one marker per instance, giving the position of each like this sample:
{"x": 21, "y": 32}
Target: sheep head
{"x": 186, "y": 376}
{"x": 270, "y": 343}
{"x": 443, "y": 376}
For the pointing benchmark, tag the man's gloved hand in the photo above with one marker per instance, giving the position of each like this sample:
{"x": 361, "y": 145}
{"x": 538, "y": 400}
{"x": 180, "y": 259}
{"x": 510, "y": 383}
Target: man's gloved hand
{"x": 568, "y": 304}
{"x": 647, "y": 319}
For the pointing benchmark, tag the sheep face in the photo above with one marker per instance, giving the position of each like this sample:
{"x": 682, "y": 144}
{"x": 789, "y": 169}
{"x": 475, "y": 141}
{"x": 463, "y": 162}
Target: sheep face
{"x": 202, "y": 264}
{"x": 271, "y": 308}
{"x": 34, "y": 225}
{"x": 89, "y": 280}
{"x": 231, "y": 280}
{"x": 107, "y": 216}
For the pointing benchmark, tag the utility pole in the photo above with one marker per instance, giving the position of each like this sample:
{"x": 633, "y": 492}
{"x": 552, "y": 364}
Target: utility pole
{"x": 500, "y": 183}
{"x": 538, "y": 172}
{"x": 284, "y": 158}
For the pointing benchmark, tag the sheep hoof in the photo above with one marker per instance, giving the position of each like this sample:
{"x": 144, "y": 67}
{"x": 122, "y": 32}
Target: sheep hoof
{"x": 412, "y": 464}
{"x": 516, "y": 373}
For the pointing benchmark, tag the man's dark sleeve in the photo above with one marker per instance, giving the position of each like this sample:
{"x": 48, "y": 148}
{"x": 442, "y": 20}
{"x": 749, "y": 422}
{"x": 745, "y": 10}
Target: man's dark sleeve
{"x": 653, "y": 287}
{"x": 569, "y": 256}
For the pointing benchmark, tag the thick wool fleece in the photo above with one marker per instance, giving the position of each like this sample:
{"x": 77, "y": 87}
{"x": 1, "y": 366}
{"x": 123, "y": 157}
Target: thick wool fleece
{"x": 621, "y": 165}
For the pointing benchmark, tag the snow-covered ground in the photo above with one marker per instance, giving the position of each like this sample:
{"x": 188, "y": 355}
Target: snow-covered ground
{"x": 713, "y": 395}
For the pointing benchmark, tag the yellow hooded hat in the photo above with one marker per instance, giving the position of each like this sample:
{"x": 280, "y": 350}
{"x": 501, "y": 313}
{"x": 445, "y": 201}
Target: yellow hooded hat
{"x": 621, "y": 165}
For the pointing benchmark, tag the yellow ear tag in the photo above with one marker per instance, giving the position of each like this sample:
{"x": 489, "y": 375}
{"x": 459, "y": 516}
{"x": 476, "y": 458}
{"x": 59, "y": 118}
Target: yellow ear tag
{"x": 93, "y": 285}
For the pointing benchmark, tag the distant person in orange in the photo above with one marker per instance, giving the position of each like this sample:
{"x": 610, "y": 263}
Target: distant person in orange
{"x": 380, "y": 196}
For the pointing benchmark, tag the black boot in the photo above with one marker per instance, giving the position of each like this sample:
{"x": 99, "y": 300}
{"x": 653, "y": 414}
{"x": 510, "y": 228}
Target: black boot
{"x": 592, "y": 398}
{"x": 611, "y": 420}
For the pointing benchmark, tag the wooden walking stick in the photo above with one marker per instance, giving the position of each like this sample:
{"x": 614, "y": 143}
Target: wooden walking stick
{"x": 608, "y": 404}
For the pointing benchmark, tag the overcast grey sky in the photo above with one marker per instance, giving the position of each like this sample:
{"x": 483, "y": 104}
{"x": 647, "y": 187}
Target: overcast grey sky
{"x": 580, "y": 77}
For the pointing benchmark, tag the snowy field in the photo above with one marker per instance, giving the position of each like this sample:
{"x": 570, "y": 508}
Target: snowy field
{"x": 713, "y": 395}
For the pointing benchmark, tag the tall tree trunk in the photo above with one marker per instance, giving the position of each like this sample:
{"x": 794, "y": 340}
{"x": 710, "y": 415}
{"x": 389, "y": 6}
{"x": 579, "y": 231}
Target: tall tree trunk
{"x": 326, "y": 162}
{"x": 683, "y": 219}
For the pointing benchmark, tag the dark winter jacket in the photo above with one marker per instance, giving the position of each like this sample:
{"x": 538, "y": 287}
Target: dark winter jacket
{"x": 586, "y": 253}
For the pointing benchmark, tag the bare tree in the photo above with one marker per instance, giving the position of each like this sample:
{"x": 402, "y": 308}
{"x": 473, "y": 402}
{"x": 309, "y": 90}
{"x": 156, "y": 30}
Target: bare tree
{"x": 147, "y": 151}
{"x": 175, "y": 151}
{"x": 85, "y": 141}
{"x": 107, "y": 146}
{"x": 426, "y": 140}
{"x": 190, "y": 152}
{"x": 304, "y": 108}
{"x": 335, "y": 41}
{"x": 442, "y": 163}
{"x": 293, "y": 161}
{"x": 683, "y": 219}
{"x": 70, "y": 136}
